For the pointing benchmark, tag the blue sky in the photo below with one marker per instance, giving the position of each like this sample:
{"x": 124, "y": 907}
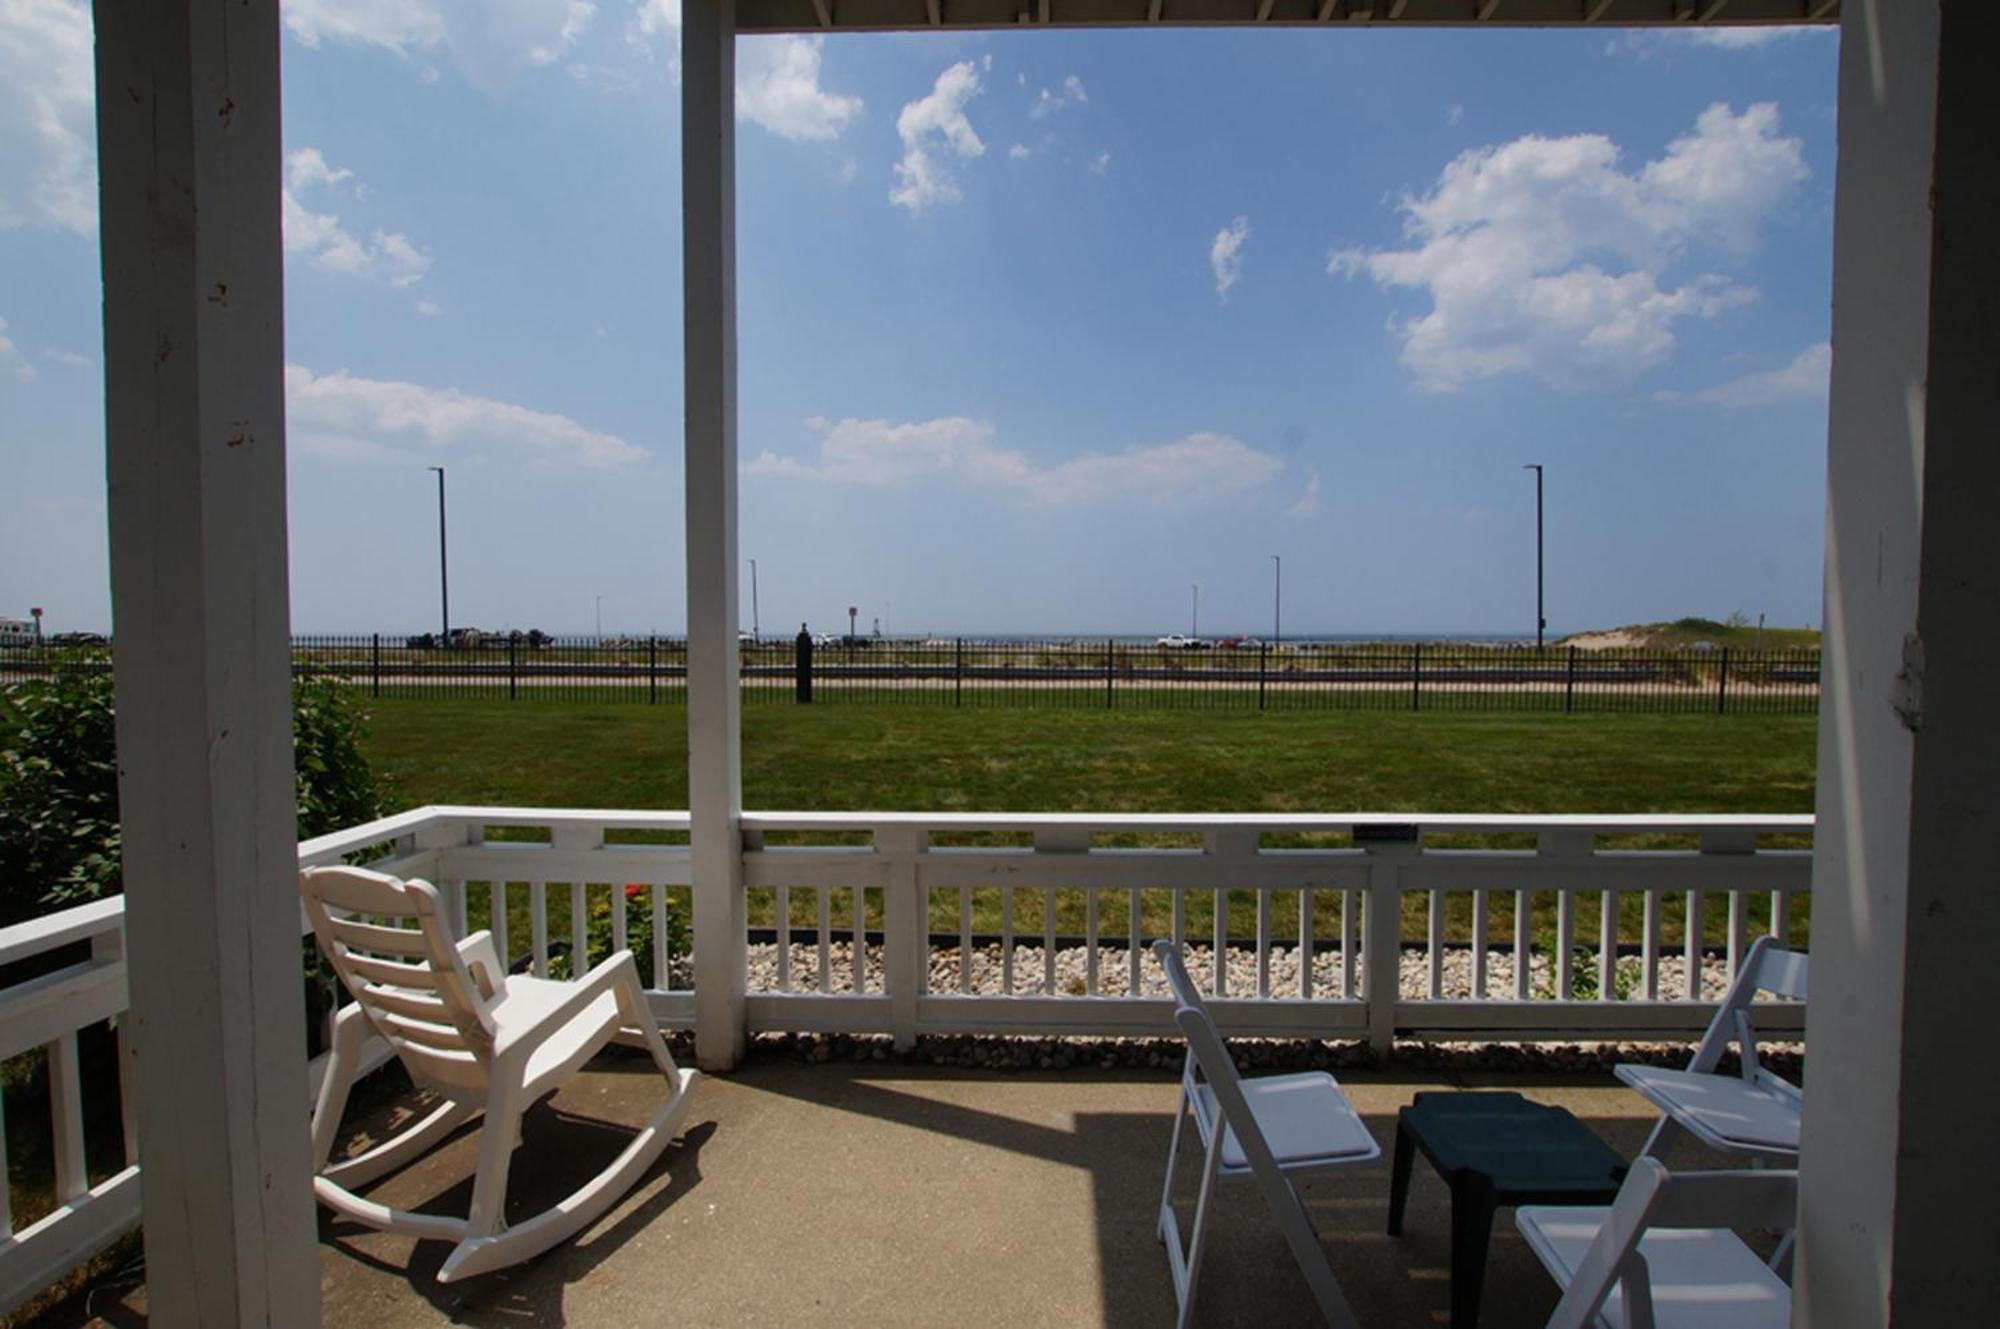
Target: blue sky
{"x": 1037, "y": 329}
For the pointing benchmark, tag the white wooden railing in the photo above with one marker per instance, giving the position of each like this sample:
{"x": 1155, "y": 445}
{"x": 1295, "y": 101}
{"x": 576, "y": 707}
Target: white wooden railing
{"x": 901, "y": 921}
{"x": 1065, "y": 901}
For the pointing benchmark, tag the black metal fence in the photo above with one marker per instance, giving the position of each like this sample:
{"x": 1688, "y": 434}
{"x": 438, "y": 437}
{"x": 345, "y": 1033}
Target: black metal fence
{"x": 1097, "y": 674}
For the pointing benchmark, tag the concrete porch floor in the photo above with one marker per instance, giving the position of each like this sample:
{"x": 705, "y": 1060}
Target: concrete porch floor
{"x": 885, "y": 1194}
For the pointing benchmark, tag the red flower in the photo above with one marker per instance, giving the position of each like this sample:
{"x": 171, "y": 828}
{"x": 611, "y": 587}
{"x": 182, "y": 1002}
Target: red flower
{"x": 634, "y": 889}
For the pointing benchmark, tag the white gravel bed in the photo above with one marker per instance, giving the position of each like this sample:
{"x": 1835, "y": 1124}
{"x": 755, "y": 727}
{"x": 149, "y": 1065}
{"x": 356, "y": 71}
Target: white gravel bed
{"x": 1072, "y": 974}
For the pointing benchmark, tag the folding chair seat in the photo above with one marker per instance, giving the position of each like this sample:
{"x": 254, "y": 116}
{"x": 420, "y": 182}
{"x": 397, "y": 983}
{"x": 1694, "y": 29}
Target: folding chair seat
{"x": 1754, "y": 1112}
{"x": 1663, "y": 1255}
{"x": 1269, "y": 1129}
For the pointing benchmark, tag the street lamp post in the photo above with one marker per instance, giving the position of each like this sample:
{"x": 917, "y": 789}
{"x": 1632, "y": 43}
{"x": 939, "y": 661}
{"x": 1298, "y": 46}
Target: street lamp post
{"x": 444, "y": 579}
{"x": 755, "y": 632}
{"x": 600, "y": 619}
{"x": 1541, "y": 622}
{"x": 1194, "y": 615}
{"x": 1277, "y": 599}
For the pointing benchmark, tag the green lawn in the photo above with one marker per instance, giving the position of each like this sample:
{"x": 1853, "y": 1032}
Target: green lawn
{"x": 891, "y": 758}
{"x": 894, "y": 758}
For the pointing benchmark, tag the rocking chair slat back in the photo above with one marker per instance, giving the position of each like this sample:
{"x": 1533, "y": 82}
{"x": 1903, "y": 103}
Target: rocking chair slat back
{"x": 432, "y": 1012}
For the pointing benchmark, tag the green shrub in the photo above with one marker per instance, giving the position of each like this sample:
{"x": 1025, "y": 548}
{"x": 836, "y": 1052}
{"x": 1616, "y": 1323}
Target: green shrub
{"x": 59, "y": 840}
{"x": 336, "y": 786}
{"x": 58, "y": 793}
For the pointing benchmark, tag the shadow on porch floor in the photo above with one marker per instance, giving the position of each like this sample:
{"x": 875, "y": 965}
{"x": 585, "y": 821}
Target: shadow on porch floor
{"x": 886, "y": 1194}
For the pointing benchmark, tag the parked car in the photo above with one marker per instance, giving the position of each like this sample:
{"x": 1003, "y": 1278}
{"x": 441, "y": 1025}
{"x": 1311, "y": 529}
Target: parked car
{"x": 1175, "y": 641}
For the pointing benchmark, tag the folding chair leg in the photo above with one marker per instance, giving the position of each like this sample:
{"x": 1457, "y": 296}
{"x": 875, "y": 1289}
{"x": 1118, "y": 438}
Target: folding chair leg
{"x": 1661, "y": 1141}
{"x": 1165, "y": 1229}
{"x": 1296, "y": 1224}
{"x": 1781, "y": 1258}
{"x": 1198, "y": 1236}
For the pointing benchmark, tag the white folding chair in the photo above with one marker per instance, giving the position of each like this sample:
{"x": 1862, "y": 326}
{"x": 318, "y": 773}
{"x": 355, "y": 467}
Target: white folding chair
{"x": 1663, "y": 1255}
{"x": 1269, "y": 1129}
{"x": 1755, "y": 1112}
{"x": 481, "y": 1039}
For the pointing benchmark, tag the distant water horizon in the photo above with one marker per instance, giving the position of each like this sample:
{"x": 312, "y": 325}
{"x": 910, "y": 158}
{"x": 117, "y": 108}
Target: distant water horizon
{"x": 1011, "y": 638}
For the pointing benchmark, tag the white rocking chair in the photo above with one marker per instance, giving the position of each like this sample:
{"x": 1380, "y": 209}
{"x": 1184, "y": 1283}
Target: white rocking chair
{"x": 482, "y": 1040}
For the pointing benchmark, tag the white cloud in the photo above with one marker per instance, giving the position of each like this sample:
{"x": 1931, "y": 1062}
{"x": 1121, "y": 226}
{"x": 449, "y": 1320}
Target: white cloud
{"x": 490, "y": 43}
{"x": 657, "y": 23}
{"x": 1743, "y": 39}
{"x": 932, "y": 127}
{"x": 962, "y": 451}
{"x": 1101, "y": 162}
{"x": 1454, "y": 113}
{"x": 1308, "y": 504}
{"x": 1225, "y": 255}
{"x": 341, "y": 415}
{"x": 777, "y": 86}
{"x": 1048, "y": 103}
{"x": 1804, "y": 379}
{"x": 69, "y": 359}
{"x": 10, "y": 357}
{"x": 1647, "y": 43}
{"x": 307, "y": 167}
{"x": 429, "y": 308}
{"x": 320, "y": 238}
{"x": 48, "y": 116}
{"x": 1544, "y": 256}
{"x": 1019, "y": 152}
{"x": 394, "y": 25}
{"x": 656, "y": 18}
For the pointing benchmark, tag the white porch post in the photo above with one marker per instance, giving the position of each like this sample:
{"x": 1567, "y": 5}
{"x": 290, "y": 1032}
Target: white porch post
{"x": 715, "y": 758}
{"x": 1900, "y": 1157}
{"x": 188, "y": 153}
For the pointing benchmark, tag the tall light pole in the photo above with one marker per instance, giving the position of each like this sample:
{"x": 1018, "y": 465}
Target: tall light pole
{"x": 600, "y": 618}
{"x": 1541, "y": 621}
{"x": 444, "y": 579}
{"x": 1194, "y": 615}
{"x": 755, "y": 633}
{"x": 1277, "y": 599}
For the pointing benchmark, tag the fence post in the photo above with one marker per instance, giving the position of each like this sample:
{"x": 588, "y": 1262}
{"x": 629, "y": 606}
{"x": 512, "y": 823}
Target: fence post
{"x": 905, "y": 931}
{"x": 1722, "y": 683}
{"x": 1263, "y": 668}
{"x": 1569, "y": 683}
{"x": 1416, "y": 675}
{"x": 652, "y": 669}
{"x": 958, "y": 672}
{"x": 1109, "y": 670}
{"x": 802, "y": 667}
{"x": 513, "y": 668}
{"x": 375, "y": 668}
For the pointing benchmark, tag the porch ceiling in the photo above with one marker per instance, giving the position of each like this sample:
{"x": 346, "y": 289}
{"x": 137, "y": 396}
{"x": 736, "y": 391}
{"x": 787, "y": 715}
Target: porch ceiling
{"x": 753, "y": 16}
